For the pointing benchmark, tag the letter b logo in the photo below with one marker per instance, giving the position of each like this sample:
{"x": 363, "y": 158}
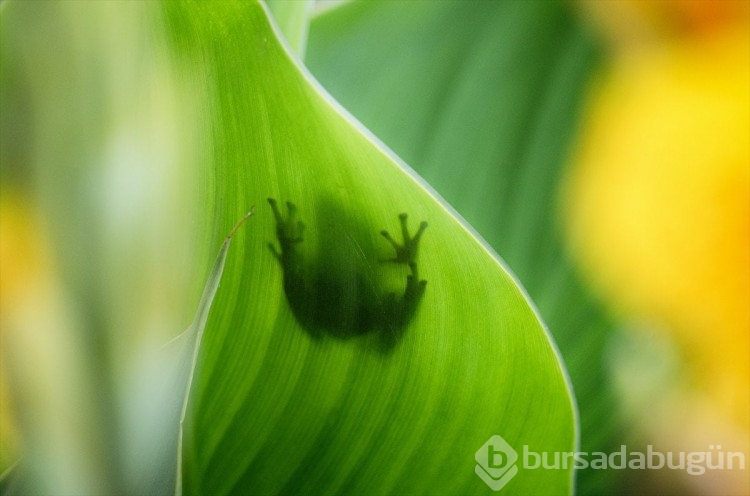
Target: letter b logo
{"x": 495, "y": 458}
{"x": 496, "y": 463}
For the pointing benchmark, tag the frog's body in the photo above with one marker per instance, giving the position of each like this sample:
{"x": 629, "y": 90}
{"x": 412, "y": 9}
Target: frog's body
{"x": 324, "y": 301}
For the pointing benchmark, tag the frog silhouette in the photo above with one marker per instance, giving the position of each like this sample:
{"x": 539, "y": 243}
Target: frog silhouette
{"x": 338, "y": 290}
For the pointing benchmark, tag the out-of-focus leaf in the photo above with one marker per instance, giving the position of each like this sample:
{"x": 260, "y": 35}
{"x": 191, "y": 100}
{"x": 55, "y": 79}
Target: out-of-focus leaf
{"x": 292, "y": 18}
{"x": 482, "y": 99}
{"x": 283, "y": 405}
{"x": 92, "y": 133}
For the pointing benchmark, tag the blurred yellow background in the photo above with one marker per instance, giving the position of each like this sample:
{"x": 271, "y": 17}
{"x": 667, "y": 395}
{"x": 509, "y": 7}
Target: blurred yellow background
{"x": 658, "y": 209}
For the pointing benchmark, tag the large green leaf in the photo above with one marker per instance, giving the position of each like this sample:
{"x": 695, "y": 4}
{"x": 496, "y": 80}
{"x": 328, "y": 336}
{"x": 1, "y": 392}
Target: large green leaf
{"x": 279, "y": 408}
{"x": 482, "y": 99}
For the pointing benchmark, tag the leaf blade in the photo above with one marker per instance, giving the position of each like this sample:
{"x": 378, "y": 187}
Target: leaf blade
{"x": 260, "y": 368}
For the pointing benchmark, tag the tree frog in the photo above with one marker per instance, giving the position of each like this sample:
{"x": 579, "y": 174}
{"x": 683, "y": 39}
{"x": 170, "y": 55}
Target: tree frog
{"x": 341, "y": 295}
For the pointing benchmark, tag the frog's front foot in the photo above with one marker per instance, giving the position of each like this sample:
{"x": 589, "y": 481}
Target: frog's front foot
{"x": 288, "y": 231}
{"x": 406, "y": 253}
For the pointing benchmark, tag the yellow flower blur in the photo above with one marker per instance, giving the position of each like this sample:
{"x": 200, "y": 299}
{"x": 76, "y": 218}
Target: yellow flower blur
{"x": 658, "y": 201}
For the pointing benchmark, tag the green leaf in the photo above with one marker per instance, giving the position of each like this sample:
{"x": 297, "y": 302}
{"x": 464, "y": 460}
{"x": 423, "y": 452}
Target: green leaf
{"x": 482, "y": 99}
{"x": 281, "y": 404}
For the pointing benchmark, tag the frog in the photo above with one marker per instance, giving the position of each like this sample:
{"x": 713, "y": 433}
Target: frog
{"x": 344, "y": 300}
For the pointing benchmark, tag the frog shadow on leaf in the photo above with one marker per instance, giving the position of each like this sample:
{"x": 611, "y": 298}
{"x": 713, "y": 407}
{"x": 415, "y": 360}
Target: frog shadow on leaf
{"x": 338, "y": 290}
